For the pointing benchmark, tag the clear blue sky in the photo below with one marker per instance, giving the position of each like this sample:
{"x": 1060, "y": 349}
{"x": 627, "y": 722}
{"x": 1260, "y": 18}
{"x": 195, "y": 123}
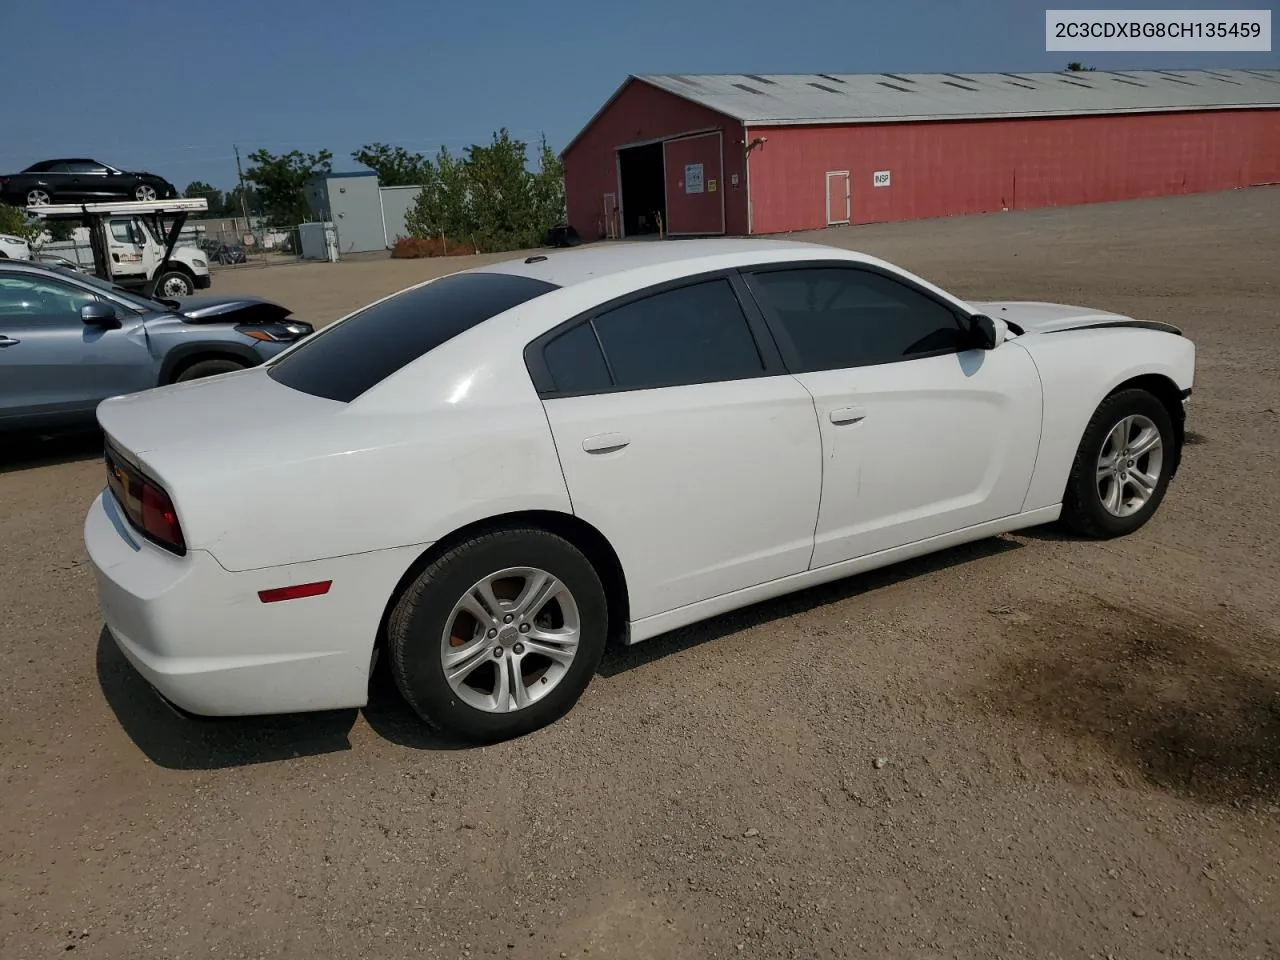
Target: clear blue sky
{"x": 169, "y": 87}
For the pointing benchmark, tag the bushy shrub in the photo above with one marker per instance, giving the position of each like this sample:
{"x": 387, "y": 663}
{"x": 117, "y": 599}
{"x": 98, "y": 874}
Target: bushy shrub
{"x": 410, "y": 248}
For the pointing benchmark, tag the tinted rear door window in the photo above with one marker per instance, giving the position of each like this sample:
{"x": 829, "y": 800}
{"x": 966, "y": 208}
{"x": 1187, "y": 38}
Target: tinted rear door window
{"x": 693, "y": 334}
{"x": 575, "y": 362}
{"x": 344, "y": 361}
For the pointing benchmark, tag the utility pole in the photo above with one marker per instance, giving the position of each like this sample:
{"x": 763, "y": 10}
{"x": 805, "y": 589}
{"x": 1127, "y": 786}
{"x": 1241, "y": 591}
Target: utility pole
{"x": 244, "y": 206}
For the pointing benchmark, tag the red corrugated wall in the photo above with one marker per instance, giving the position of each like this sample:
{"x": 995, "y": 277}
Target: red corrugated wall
{"x": 944, "y": 169}
{"x": 643, "y": 112}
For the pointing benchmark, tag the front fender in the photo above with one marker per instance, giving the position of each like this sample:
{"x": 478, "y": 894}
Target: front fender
{"x": 184, "y": 353}
{"x": 1079, "y": 369}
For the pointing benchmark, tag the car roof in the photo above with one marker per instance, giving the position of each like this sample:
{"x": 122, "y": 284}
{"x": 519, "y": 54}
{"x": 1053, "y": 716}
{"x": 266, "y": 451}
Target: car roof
{"x": 576, "y": 265}
{"x": 30, "y": 266}
{"x": 53, "y": 270}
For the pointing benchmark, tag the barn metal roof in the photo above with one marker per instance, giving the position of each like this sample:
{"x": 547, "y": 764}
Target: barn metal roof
{"x": 773, "y": 99}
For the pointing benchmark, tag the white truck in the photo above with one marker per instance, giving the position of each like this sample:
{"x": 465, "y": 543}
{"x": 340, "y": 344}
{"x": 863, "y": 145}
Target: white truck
{"x": 135, "y": 242}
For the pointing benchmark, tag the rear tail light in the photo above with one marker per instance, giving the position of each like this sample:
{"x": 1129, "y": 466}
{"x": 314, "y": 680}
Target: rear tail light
{"x": 145, "y": 503}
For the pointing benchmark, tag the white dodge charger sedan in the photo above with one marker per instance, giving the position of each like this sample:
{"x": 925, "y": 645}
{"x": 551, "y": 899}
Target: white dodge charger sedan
{"x": 488, "y": 476}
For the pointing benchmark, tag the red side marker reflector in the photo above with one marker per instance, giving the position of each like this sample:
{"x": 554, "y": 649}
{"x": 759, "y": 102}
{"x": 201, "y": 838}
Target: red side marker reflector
{"x": 296, "y": 592}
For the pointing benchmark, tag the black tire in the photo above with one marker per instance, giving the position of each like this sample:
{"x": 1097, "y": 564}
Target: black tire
{"x": 172, "y": 276}
{"x": 1083, "y": 511}
{"x": 143, "y": 188}
{"x": 417, "y": 623}
{"x": 207, "y": 368}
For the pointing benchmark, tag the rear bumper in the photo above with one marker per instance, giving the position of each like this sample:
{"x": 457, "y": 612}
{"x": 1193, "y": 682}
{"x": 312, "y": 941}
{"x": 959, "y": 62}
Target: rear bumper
{"x": 202, "y": 638}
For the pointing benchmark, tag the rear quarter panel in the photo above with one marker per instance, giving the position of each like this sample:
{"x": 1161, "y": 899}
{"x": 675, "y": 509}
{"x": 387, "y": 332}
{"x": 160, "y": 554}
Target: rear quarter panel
{"x": 1079, "y": 368}
{"x": 349, "y": 479}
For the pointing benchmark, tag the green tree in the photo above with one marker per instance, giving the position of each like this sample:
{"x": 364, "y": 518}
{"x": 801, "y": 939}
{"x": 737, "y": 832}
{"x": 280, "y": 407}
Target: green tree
{"x": 15, "y": 223}
{"x": 280, "y": 181}
{"x": 548, "y": 186}
{"x": 395, "y": 166}
{"x": 60, "y": 230}
{"x": 231, "y": 206}
{"x": 501, "y": 194}
{"x": 198, "y": 188}
{"x": 489, "y": 197}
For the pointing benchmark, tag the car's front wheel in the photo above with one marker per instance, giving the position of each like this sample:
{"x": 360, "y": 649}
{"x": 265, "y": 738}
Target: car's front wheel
{"x": 144, "y": 191}
{"x": 207, "y": 368}
{"x": 37, "y": 197}
{"x": 500, "y": 635}
{"x": 1122, "y": 466}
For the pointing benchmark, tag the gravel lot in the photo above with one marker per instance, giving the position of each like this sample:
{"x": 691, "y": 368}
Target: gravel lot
{"x": 1081, "y": 739}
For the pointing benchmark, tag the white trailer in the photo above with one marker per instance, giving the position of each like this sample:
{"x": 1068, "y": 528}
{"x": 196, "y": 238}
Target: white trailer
{"x": 135, "y": 242}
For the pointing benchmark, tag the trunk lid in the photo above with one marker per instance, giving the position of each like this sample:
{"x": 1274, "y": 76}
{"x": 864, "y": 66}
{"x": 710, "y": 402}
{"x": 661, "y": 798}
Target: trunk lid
{"x": 207, "y": 417}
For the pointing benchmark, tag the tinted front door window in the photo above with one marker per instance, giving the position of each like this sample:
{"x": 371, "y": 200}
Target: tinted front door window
{"x": 37, "y": 302}
{"x": 839, "y": 317}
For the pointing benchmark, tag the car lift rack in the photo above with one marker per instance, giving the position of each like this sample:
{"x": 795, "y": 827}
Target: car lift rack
{"x": 153, "y": 212}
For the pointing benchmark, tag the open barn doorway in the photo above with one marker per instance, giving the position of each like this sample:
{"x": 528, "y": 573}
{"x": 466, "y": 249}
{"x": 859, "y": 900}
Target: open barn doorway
{"x": 644, "y": 194}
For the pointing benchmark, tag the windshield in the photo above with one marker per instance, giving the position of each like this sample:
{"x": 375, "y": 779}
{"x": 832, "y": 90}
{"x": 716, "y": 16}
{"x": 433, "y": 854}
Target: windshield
{"x": 135, "y": 300}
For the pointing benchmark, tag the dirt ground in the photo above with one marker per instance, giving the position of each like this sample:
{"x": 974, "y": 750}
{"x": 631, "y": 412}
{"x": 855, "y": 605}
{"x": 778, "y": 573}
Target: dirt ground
{"x": 1082, "y": 740}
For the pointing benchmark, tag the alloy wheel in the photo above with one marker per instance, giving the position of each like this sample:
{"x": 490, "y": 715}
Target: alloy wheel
{"x": 510, "y": 639}
{"x": 1129, "y": 465}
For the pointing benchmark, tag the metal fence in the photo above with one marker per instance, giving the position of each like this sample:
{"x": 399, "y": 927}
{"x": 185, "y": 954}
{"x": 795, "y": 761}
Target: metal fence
{"x": 234, "y": 241}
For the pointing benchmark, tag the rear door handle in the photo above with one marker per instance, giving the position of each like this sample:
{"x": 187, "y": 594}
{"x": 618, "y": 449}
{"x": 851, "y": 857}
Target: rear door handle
{"x": 843, "y": 415}
{"x": 7, "y": 341}
{"x": 605, "y": 443}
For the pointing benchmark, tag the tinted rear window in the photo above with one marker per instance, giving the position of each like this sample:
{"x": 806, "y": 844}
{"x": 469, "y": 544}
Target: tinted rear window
{"x": 343, "y": 362}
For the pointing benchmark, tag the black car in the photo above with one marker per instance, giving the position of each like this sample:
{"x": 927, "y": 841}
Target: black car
{"x": 80, "y": 181}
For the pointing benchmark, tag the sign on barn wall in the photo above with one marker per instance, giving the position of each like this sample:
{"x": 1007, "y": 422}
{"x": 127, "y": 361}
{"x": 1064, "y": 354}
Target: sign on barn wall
{"x": 880, "y": 178}
{"x": 693, "y": 178}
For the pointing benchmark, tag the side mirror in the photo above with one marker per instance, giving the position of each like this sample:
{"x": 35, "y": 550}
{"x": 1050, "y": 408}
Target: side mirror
{"x": 99, "y": 314}
{"x": 987, "y": 333}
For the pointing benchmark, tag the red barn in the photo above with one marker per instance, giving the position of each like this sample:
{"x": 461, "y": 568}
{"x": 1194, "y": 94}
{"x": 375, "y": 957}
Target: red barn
{"x": 751, "y": 154}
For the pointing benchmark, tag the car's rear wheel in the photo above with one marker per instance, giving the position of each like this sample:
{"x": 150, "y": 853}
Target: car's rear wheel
{"x": 207, "y": 368}
{"x": 144, "y": 191}
{"x": 1122, "y": 466}
{"x": 500, "y": 635}
{"x": 36, "y": 197}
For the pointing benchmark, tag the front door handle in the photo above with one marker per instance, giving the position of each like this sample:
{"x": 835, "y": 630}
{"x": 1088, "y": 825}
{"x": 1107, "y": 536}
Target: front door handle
{"x": 843, "y": 415}
{"x": 7, "y": 341}
{"x": 605, "y": 443}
